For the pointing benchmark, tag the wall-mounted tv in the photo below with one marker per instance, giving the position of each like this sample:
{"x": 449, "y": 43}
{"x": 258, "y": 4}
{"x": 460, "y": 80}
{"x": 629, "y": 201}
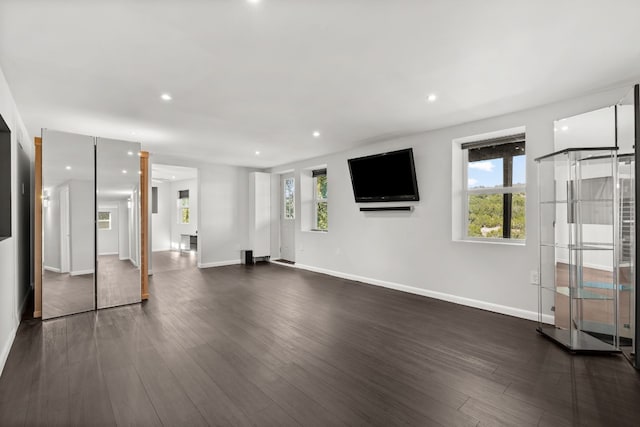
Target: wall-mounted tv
{"x": 385, "y": 177}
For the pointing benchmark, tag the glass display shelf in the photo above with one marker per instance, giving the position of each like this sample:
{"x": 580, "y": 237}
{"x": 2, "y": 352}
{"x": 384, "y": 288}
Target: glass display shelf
{"x": 582, "y": 247}
{"x": 578, "y": 260}
{"x": 579, "y": 293}
{"x": 564, "y": 202}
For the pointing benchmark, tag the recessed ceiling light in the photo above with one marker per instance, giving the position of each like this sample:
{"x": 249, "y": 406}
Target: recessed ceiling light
{"x": 432, "y": 97}
{"x": 166, "y": 97}
{"x": 133, "y": 133}
{"x": 130, "y": 153}
{"x": 68, "y": 168}
{"x": 173, "y": 177}
{"x": 124, "y": 171}
{"x": 316, "y": 134}
{"x": 565, "y": 128}
{"x": 257, "y": 153}
{"x": 253, "y": 1}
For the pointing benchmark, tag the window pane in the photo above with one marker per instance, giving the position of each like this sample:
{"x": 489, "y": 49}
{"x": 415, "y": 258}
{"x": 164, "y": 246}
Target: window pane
{"x": 321, "y": 187}
{"x": 184, "y": 202}
{"x": 517, "y": 215}
{"x": 104, "y": 225}
{"x": 322, "y": 217}
{"x": 485, "y": 173}
{"x": 289, "y": 198}
{"x": 104, "y": 216}
{"x": 519, "y": 170}
{"x": 485, "y": 215}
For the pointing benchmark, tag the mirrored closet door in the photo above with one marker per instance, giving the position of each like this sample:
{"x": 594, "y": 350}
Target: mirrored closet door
{"x": 118, "y": 214}
{"x": 91, "y": 216}
{"x": 67, "y": 224}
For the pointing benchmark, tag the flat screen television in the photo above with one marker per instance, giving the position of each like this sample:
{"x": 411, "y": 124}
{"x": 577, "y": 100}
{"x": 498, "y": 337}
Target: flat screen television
{"x": 385, "y": 177}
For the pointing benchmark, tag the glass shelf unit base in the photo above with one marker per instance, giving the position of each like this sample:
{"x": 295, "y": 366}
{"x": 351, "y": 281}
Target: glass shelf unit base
{"x": 577, "y": 341}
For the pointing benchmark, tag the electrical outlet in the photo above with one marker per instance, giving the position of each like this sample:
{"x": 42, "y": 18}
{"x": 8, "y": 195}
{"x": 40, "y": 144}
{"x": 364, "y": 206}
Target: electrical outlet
{"x": 534, "y": 279}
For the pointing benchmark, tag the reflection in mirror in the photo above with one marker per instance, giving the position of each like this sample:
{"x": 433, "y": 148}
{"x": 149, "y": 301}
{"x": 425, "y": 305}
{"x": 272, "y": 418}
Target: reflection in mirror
{"x": 593, "y": 129}
{"x": 67, "y": 220}
{"x": 118, "y": 219}
{"x": 626, "y": 182}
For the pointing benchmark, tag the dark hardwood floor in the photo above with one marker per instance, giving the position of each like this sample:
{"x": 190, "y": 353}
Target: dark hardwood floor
{"x": 273, "y": 345}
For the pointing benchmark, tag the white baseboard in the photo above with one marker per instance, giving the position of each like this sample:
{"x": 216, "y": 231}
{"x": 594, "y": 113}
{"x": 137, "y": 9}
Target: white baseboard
{"x": 218, "y": 263}
{"x": 469, "y": 302}
{"x": 6, "y": 348}
{"x": 55, "y": 270}
{"x": 81, "y": 272}
{"x": 109, "y": 253}
{"x": 123, "y": 259}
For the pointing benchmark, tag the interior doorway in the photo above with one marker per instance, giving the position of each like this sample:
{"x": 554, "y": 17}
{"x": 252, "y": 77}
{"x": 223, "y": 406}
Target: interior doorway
{"x": 288, "y": 217}
{"x": 174, "y": 217}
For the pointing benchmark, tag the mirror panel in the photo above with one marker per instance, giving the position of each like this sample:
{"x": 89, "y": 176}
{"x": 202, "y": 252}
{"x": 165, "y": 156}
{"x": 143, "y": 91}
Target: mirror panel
{"x": 117, "y": 222}
{"x": 593, "y": 129}
{"x": 68, "y": 224}
{"x": 625, "y": 124}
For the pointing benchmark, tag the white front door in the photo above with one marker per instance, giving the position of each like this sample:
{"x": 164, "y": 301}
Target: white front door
{"x": 288, "y": 217}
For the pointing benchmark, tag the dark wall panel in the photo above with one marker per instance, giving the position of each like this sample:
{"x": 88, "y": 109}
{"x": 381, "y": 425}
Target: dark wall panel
{"x": 5, "y": 180}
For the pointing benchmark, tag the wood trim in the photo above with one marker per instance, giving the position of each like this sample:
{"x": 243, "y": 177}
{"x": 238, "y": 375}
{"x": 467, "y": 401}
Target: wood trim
{"x": 144, "y": 224}
{"x": 37, "y": 256}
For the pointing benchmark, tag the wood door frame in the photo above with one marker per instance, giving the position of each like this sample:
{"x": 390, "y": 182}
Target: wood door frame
{"x": 37, "y": 256}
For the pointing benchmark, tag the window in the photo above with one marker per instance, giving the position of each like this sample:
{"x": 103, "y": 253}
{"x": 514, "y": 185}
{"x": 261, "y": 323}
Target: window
{"x": 289, "y": 198}
{"x": 104, "y": 220}
{"x": 183, "y": 207}
{"x": 495, "y": 196}
{"x": 320, "y": 213}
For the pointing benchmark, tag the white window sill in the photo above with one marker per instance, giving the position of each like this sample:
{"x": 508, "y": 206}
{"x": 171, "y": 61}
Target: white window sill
{"x": 316, "y": 231}
{"x": 494, "y": 242}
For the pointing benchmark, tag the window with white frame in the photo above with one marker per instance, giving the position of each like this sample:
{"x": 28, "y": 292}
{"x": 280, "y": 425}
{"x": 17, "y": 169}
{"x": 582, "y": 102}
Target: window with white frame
{"x": 289, "y": 198}
{"x": 320, "y": 207}
{"x": 495, "y": 188}
{"x": 183, "y": 207}
{"x": 104, "y": 220}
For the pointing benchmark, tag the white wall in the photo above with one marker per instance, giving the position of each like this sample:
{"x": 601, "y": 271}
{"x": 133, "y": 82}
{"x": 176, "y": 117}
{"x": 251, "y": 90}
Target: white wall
{"x": 161, "y": 221}
{"x": 51, "y": 232}
{"x": 108, "y": 240}
{"x": 81, "y": 209}
{"x": 415, "y": 251}
{"x": 224, "y": 209}
{"x": 123, "y": 229}
{"x": 192, "y": 227}
{"x": 12, "y": 294}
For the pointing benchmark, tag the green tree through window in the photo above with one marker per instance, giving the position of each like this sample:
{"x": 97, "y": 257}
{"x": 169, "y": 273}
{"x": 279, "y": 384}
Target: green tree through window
{"x": 320, "y": 196}
{"x": 495, "y": 190}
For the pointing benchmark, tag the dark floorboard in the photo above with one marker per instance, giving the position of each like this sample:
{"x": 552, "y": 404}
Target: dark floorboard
{"x": 271, "y": 345}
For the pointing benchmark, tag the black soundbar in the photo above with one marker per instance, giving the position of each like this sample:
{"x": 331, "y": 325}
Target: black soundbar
{"x": 387, "y": 208}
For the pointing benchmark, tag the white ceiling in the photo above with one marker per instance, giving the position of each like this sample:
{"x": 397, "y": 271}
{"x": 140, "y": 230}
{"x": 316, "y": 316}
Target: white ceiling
{"x": 163, "y": 173}
{"x": 262, "y": 77}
